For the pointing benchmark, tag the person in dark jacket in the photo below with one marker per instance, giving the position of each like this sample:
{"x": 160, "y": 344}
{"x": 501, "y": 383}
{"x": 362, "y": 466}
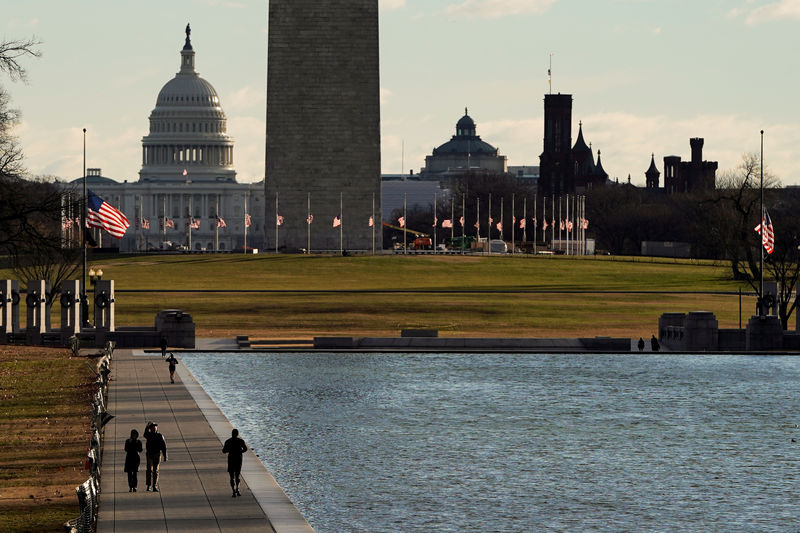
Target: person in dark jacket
{"x": 133, "y": 447}
{"x": 172, "y": 362}
{"x": 234, "y": 447}
{"x": 156, "y": 447}
{"x": 163, "y": 346}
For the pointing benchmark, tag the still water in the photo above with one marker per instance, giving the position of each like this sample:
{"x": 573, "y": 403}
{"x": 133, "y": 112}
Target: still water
{"x": 520, "y": 443}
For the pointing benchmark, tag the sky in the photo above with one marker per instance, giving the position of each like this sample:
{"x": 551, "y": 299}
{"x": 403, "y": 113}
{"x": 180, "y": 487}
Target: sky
{"x": 645, "y": 75}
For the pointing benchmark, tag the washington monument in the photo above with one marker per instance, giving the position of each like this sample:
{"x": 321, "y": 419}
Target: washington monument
{"x": 323, "y": 125}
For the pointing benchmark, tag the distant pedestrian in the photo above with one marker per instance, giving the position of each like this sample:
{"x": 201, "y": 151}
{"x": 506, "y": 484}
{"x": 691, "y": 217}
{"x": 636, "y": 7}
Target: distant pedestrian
{"x": 172, "y": 362}
{"x": 163, "y": 346}
{"x": 234, "y": 447}
{"x": 654, "y": 343}
{"x": 133, "y": 447}
{"x": 156, "y": 447}
{"x": 640, "y": 344}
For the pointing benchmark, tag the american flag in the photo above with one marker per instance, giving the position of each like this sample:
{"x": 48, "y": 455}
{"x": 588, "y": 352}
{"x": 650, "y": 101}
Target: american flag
{"x": 499, "y": 226}
{"x": 170, "y": 223}
{"x": 768, "y": 235}
{"x": 309, "y": 218}
{"x": 337, "y": 221}
{"x": 522, "y": 223}
{"x": 248, "y": 221}
{"x": 544, "y": 226}
{"x": 68, "y": 223}
{"x": 279, "y": 220}
{"x": 478, "y": 225}
{"x": 569, "y": 226}
{"x": 461, "y": 221}
{"x": 561, "y": 225}
{"x": 221, "y": 222}
{"x": 103, "y": 215}
{"x": 402, "y": 222}
{"x": 371, "y": 222}
{"x": 195, "y": 223}
{"x": 435, "y": 221}
{"x": 447, "y": 223}
{"x": 491, "y": 221}
{"x": 585, "y": 223}
{"x": 184, "y": 172}
{"x": 145, "y": 223}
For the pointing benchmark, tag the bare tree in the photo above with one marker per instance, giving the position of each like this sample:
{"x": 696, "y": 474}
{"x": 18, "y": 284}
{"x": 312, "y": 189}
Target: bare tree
{"x": 733, "y": 212}
{"x": 12, "y": 51}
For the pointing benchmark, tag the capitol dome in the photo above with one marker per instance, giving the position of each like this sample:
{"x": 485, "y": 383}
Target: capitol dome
{"x": 188, "y": 138}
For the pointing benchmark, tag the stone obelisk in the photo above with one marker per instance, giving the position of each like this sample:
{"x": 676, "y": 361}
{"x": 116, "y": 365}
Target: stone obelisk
{"x": 323, "y": 125}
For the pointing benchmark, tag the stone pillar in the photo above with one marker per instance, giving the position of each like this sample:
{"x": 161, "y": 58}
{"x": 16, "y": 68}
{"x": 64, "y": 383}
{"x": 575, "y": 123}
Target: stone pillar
{"x": 104, "y": 305}
{"x": 9, "y": 308}
{"x": 36, "y": 303}
{"x": 70, "y": 309}
{"x": 700, "y": 332}
{"x": 669, "y": 319}
{"x": 764, "y": 333}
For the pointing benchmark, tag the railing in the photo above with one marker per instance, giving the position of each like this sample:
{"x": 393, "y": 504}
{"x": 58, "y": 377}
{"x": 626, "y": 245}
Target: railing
{"x": 88, "y": 491}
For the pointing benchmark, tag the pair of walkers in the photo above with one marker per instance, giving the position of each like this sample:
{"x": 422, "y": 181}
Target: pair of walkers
{"x": 155, "y": 447}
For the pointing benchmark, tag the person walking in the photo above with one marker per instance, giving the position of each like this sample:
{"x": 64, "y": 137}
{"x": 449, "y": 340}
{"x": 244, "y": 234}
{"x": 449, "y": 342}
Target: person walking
{"x": 172, "y": 362}
{"x": 133, "y": 447}
{"x": 234, "y": 447}
{"x": 163, "y": 346}
{"x": 156, "y": 446}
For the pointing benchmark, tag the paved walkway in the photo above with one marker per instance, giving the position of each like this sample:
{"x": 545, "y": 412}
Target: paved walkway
{"x": 195, "y": 493}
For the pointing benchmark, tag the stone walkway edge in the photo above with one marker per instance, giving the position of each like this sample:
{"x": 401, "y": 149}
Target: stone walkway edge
{"x": 283, "y": 515}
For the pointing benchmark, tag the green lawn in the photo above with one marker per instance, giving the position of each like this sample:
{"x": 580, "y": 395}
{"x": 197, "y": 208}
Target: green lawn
{"x": 460, "y": 295}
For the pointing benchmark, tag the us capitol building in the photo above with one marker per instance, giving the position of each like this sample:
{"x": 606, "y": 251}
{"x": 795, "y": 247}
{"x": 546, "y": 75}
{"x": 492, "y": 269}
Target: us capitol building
{"x": 187, "y": 182}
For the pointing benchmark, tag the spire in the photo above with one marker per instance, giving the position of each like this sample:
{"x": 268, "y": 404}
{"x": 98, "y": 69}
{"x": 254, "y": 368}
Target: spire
{"x": 187, "y": 54}
{"x": 580, "y": 144}
{"x": 653, "y": 170}
{"x": 598, "y": 168}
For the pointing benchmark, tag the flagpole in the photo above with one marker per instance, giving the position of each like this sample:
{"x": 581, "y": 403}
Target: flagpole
{"x": 501, "y": 219}
{"x": 535, "y": 221}
{"x": 308, "y": 224}
{"x": 525, "y": 218}
{"x": 489, "y": 233}
{"x": 244, "y": 248}
{"x": 216, "y": 234}
{"x": 513, "y": 222}
{"x": 164, "y": 217}
{"x": 434, "y": 221}
{"x": 463, "y": 223}
{"x": 189, "y": 219}
{"x": 84, "y": 215}
{"x": 276, "y": 222}
{"x": 761, "y": 233}
{"x": 478, "y": 221}
{"x": 452, "y": 218}
{"x": 552, "y": 225}
{"x": 566, "y": 225}
{"x": 373, "y": 223}
{"x": 405, "y": 227}
{"x": 341, "y": 222}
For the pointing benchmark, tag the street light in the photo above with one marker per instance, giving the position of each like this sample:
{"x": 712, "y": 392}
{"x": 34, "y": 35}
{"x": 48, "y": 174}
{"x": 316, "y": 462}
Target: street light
{"x": 94, "y": 277}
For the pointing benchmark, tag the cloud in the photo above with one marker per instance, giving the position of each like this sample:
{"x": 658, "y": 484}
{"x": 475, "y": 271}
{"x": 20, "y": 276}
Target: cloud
{"x": 780, "y": 10}
{"x": 386, "y": 5}
{"x": 499, "y": 8}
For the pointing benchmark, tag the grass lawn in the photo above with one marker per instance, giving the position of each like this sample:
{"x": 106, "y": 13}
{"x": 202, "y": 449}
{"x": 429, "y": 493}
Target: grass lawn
{"x": 45, "y": 405}
{"x": 459, "y": 295}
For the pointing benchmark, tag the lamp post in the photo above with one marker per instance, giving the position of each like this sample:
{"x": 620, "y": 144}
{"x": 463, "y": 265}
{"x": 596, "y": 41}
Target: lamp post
{"x": 94, "y": 277}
